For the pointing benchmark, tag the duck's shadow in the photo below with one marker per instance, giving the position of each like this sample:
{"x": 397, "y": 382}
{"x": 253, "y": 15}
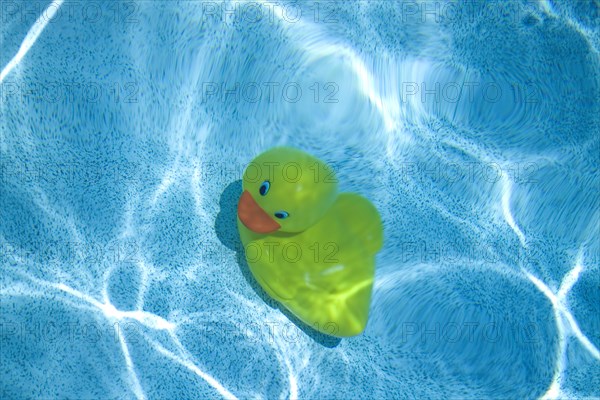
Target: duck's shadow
{"x": 226, "y": 229}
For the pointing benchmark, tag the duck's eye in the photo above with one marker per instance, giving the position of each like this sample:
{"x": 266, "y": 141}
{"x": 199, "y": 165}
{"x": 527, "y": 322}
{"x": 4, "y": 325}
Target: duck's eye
{"x": 264, "y": 188}
{"x": 282, "y": 214}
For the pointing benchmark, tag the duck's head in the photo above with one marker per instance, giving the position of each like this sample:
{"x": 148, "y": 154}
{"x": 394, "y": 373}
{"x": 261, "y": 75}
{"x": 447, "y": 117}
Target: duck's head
{"x": 285, "y": 190}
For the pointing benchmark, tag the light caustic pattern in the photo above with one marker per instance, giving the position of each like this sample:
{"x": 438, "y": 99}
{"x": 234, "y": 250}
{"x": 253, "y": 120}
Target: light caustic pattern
{"x": 415, "y": 145}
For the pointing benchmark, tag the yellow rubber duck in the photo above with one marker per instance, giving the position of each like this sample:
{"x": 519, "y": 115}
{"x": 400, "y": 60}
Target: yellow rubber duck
{"x": 309, "y": 247}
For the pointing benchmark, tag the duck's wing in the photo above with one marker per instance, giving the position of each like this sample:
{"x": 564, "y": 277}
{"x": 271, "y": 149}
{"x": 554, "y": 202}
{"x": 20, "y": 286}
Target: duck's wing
{"x": 360, "y": 219}
{"x": 339, "y": 292}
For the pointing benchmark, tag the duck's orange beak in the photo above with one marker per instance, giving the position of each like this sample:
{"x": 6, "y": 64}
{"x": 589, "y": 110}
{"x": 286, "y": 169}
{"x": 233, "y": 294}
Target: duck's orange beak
{"x": 253, "y": 217}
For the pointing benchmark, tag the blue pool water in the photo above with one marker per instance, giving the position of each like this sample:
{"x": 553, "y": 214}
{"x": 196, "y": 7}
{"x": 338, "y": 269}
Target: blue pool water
{"x": 126, "y": 126}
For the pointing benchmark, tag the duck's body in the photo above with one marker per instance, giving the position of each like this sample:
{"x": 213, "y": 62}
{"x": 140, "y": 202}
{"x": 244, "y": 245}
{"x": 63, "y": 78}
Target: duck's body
{"x": 324, "y": 273}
